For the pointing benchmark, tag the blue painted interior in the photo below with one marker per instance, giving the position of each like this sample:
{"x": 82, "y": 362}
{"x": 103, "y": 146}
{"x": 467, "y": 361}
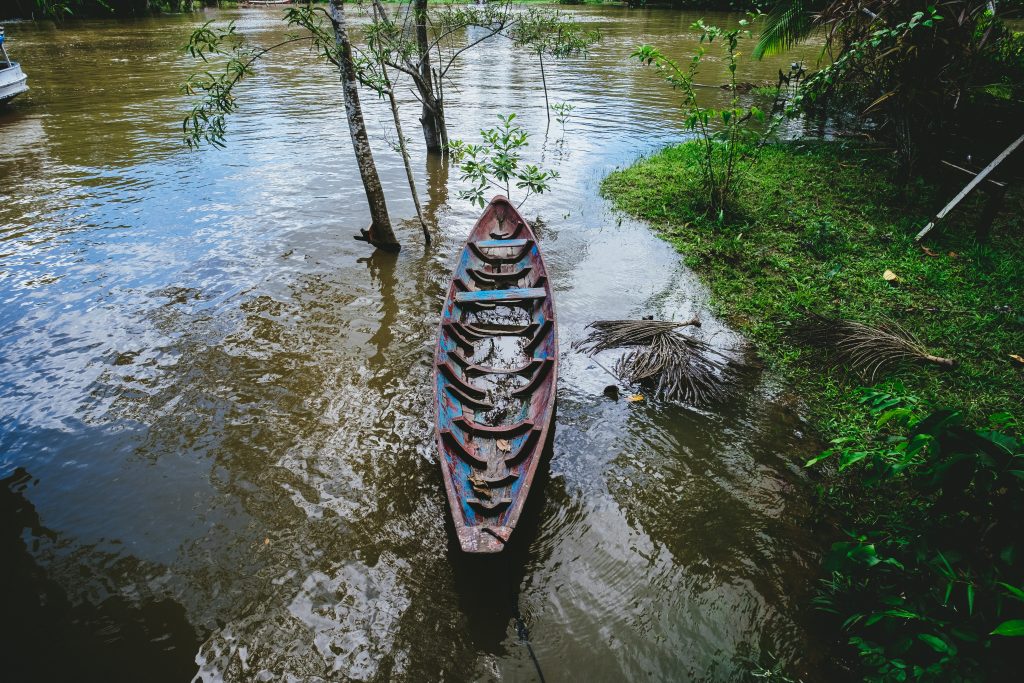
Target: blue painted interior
{"x": 502, "y": 294}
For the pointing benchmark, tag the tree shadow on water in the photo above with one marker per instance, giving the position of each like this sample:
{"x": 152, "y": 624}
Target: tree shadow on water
{"x": 382, "y": 266}
{"x": 50, "y": 637}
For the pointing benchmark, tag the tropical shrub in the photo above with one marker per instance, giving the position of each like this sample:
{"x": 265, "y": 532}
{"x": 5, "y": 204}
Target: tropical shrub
{"x": 913, "y": 69}
{"x": 930, "y": 580}
{"x": 729, "y": 137}
{"x": 496, "y": 164}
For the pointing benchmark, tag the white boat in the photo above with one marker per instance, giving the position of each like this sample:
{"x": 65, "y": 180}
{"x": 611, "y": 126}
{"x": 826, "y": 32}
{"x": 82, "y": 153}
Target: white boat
{"x": 12, "y": 78}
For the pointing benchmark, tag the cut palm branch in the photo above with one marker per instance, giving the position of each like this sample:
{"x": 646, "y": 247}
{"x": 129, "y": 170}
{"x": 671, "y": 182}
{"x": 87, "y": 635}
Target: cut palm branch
{"x": 680, "y": 367}
{"x": 786, "y": 24}
{"x": 867, "y": 349}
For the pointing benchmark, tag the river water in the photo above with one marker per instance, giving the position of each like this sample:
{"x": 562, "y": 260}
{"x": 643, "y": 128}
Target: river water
{"x": 216, "y": 413}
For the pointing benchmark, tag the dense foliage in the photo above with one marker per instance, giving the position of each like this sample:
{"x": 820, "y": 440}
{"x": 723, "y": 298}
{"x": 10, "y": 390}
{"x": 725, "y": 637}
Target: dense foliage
{"x": 930, "y": 581}
{"x": 60, "y": 9}
{"x": 919, "y": 72}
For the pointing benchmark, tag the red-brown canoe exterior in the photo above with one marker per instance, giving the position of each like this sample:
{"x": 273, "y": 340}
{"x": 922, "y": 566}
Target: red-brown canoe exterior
{"x": 485, "y": 513}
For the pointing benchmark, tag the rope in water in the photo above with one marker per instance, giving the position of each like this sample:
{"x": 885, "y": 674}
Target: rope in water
{"x": 521, "y": 630}
{"x": 524, "y": 637}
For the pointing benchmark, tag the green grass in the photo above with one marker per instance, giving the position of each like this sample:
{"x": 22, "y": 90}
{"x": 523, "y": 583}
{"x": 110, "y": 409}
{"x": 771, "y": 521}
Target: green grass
{"x": 814, "y": 226}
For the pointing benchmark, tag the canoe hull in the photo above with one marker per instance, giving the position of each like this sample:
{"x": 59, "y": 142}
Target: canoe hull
{"x": 494, "y": 377}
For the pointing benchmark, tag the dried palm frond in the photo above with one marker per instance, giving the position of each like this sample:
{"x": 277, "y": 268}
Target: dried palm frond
{"x": 865, "y": 348}
{"x": 679, "y": 367}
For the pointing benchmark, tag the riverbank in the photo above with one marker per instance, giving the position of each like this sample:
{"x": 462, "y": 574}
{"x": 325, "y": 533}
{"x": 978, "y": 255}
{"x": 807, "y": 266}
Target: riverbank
{"x": 818, "y": 226}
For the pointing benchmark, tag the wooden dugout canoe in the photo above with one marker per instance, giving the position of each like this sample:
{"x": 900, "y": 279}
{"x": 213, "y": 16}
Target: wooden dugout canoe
{"x": 495, "y": 373}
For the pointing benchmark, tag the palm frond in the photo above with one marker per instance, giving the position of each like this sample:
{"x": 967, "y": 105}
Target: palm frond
{"x": 866, "y": 349}
{"x": 788, "y": 22}
{"x": 678, "y": 366}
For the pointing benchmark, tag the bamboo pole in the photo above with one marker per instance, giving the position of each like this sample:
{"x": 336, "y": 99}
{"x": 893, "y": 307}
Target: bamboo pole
{"x": 970, "y": 186}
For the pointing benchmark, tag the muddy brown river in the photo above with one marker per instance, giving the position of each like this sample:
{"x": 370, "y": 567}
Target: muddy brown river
{"x": 216, "y": 412}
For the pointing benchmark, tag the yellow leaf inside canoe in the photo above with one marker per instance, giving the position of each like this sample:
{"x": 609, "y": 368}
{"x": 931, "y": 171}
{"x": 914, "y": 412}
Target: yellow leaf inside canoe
{"x": 504, "y": 445}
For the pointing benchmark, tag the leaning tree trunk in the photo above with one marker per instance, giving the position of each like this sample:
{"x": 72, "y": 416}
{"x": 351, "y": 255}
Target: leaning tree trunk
{"x": 404, "y": 149}
{"x": 432, "y": 118}
{"x": 544, "y": 80}
{"x": 380, "y": 233}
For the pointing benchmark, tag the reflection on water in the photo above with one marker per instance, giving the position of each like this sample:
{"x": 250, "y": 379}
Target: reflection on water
{"x": 215, "y": 407}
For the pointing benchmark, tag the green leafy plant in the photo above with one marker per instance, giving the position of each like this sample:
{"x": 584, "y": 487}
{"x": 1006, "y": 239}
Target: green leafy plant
{"x": 563, "y": 110}
{"x": 931, "y": 584}
{"x": 727, "y": 136}
{"x": 554, "y": 34}
{"x": 497, "y": 165}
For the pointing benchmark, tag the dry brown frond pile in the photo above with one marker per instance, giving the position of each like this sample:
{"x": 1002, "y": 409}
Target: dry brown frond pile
{"x": 680, "y": 367}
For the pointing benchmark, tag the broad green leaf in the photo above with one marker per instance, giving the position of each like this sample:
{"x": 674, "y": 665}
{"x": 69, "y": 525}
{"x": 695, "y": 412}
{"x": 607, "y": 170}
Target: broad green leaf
{"x": 936, "y": 643}
{"x": 818, "y": 458}
{"x": 848, "y": 458}
{"x": 1013, "y": 627}
{"x": 1013, "y": 591}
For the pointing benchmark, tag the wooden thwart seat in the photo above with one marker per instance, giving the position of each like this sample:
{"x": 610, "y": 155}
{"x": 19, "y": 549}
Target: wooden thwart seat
{"x": 494, "y": 482}
{"x": 537, "y": 379}
{"x": 499, "y": 330}
{"x": 488, "y": 244}
{"x": 465, "y": 387}
{"x": 466, "y": 400}
{"x": 542, "y": 333}
{"x": 494, "y": 259}
{"x": 471, "y": 368}
{"x": 484, "y": 277}
{"x": 507, "y": 236}
{"x": 525, "y": 448}
{"x": 501, "y": 295}
{"x": 466, "y": 452}
{"x": 487, "y": 431}
{"x": 489, "y": 506}
{"x": 465, "y": 332}
{"x": 458, "y": 335}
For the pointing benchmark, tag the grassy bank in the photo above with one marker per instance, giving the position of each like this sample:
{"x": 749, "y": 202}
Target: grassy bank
{"x": 815, "y": 227}
{"x": 925, "y": 574}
